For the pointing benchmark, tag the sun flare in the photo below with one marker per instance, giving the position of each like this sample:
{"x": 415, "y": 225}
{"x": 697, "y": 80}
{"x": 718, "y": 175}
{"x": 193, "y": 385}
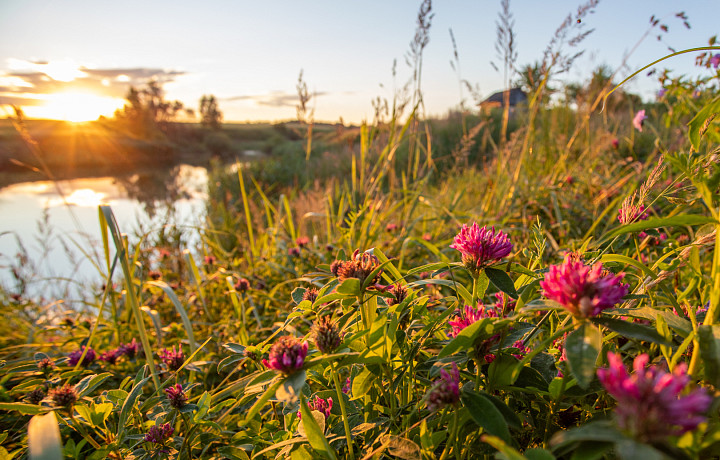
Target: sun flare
{"x": 75, "y": 106}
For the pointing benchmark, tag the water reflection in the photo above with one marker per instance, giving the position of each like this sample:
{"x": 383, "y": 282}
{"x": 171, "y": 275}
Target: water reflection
{"x": 50, "y": 233}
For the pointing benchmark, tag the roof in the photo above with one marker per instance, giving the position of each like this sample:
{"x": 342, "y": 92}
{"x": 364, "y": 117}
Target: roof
{"x": 517, "y": 96}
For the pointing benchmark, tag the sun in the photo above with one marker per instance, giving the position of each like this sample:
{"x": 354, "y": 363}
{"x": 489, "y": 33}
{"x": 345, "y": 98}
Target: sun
{"x": 76, "y": 106}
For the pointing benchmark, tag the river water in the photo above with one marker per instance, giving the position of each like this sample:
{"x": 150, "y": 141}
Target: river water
{"x": 50, "y": 240}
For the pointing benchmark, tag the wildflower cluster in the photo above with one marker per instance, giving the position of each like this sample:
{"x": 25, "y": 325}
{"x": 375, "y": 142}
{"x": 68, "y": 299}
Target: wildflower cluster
{"x": 360, "y": 266}
{"x": 650, "y": 405}
{"x": 172, "y": 358}
{"x": 583, "y": 290}
{"x": 321, "y": 405}
{"x": 445, "y": 390}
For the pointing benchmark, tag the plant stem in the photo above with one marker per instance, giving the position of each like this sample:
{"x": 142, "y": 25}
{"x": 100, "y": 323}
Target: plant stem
{"x": 341, "y": 401}
{"x": 453, "y": 437}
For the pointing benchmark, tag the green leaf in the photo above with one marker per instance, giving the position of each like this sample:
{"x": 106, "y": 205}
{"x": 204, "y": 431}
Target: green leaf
{"x": 506, "y": 452}
{"x": 630, "y": 449}
{"x": 291, "y": 387}
{"x": 44, "y": 438}
{"x": 502, "y": 281}
{"x": 593, "y": 431}
{"x": 260, "y": 403}
{"x": 583, "y": 348}
{"x": 709, "y": 337}
{"x": 485, "y": 414}
{"x": 233, "y": 453}
{"x": 537, "y": 453}
{"x": 349, "y": 287}
{"x": 632, "y": 330}
{"x": 180, "y": 309}
{"x": 297, "y": 294}
{"x": 681, "y": 325}
{"x": 674, "y": 221}
{"x": 315, "y": 436}
{"x": 86, "y": 386}
{"x": 128, "y": 405}
{"x": 698, "y": 122}
{"x": 25, "y": 409}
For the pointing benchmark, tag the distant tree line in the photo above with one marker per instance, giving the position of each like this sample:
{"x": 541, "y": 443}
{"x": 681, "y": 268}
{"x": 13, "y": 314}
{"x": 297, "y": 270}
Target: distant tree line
{"x": 147, "y": 114}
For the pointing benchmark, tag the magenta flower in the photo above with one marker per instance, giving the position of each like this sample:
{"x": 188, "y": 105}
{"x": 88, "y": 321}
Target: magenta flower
{"x": 64, "y": 396}
{"x": 632, "y": 213}
{"x": 348, "y": 385}
{"x": 74, "y": 357}
{"x": 481, "y": 247}
{"x": 176, "y": 396}
{"x": 172, "y": 358}
{"x": 287, "y": 355}
{"x": 649, "y": 402}
{"x": 638, "y": 120}
{"x": 715, "y": 61}
{"x": 321, "y": 405}
{"x": 445, "y": 390}
{"x": 583, "y": 290}
{"x": 468, "y": 315}
{"x": 159, "y": 434}
{"x": 110, "y": 356}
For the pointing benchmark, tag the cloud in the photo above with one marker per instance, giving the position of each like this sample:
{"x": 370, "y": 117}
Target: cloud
{"x": 273, "y": 99}
{"x": 43, "y": 77}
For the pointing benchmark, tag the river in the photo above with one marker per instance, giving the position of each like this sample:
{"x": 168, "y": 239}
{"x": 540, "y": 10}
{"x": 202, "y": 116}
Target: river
{"x": 50, "y": 240}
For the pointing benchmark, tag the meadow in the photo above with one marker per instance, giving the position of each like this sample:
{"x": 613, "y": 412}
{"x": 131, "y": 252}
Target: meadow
{"x": 536, "y": 285}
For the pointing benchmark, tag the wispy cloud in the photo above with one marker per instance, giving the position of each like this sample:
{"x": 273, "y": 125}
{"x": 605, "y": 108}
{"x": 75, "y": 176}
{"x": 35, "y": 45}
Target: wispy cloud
{"x": 27, "y": 79}
{"x": 273, "y": 99}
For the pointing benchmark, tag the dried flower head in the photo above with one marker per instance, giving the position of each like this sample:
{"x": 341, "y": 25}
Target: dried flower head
{"x": 335, "y": 267}
{"x": 74, "y": 357}
{"x": 649, "y": 403}
{"x": 65, "y": 396}
{"x": 445, "y": 390}
{"x": 155, "y": 274}
{"x": 360, "y": 266}
{"x": 326, "y": 335}
{"x": 481, "y": 247}
{"x": 172, "y": 358}
{"x": 242, "y": 285}
{"x": 176, "y": 396}
{"x": 399, "y": 293}
{"x": 583, "y": 290}
{"x": 159, "y": 434}
{"x": 468, "y": 315}
{"x": 287, "y": 355}
{"x": 210, "y": 260}
{"x": 294, "y": 252}
{"x": 35, "y": 396}
{"x": 310, "y": 294}
{"x": 639, "y": 120}
{"x": 391, "y": 227}
{"x": 46, "y": 365}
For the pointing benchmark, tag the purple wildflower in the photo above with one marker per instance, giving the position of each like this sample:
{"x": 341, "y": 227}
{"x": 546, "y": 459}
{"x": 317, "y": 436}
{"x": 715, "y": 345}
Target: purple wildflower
{"x": 176, "y": 396}
{"x": 649, "y": 402}
{"x": 468, "y": 315}
{"x": 294, "y": 252}
{"x": 348, "y": 385}
{"x": 321, "y": 405}
{"x": 172, "y": 358}
{"x": 111, "y": 356}
{"x": 445, "y": 390}
{"x": 661, "y": 92}
{"x": 287, "y": 355}
{"x": 639, "y": 119}
{"x": 74, "y": 357}
{"x": 715, "y": 61}
{"x": 159, "y": 434}
{"x": 129, "y": 349}
{"x": 583, "y": 290}
{"x": 481, "y": 247}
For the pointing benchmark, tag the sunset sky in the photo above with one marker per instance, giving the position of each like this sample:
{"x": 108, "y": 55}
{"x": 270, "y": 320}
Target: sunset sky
{"x": 75, "y": 60}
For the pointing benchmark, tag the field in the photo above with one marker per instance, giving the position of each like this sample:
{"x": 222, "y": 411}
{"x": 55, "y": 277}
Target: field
{"x": 529, "y": 285}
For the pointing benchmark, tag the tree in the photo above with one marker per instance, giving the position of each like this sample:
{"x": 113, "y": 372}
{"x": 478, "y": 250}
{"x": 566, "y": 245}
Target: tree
{"x": 147, "y": 113}
{"x": 210, "y": 115}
